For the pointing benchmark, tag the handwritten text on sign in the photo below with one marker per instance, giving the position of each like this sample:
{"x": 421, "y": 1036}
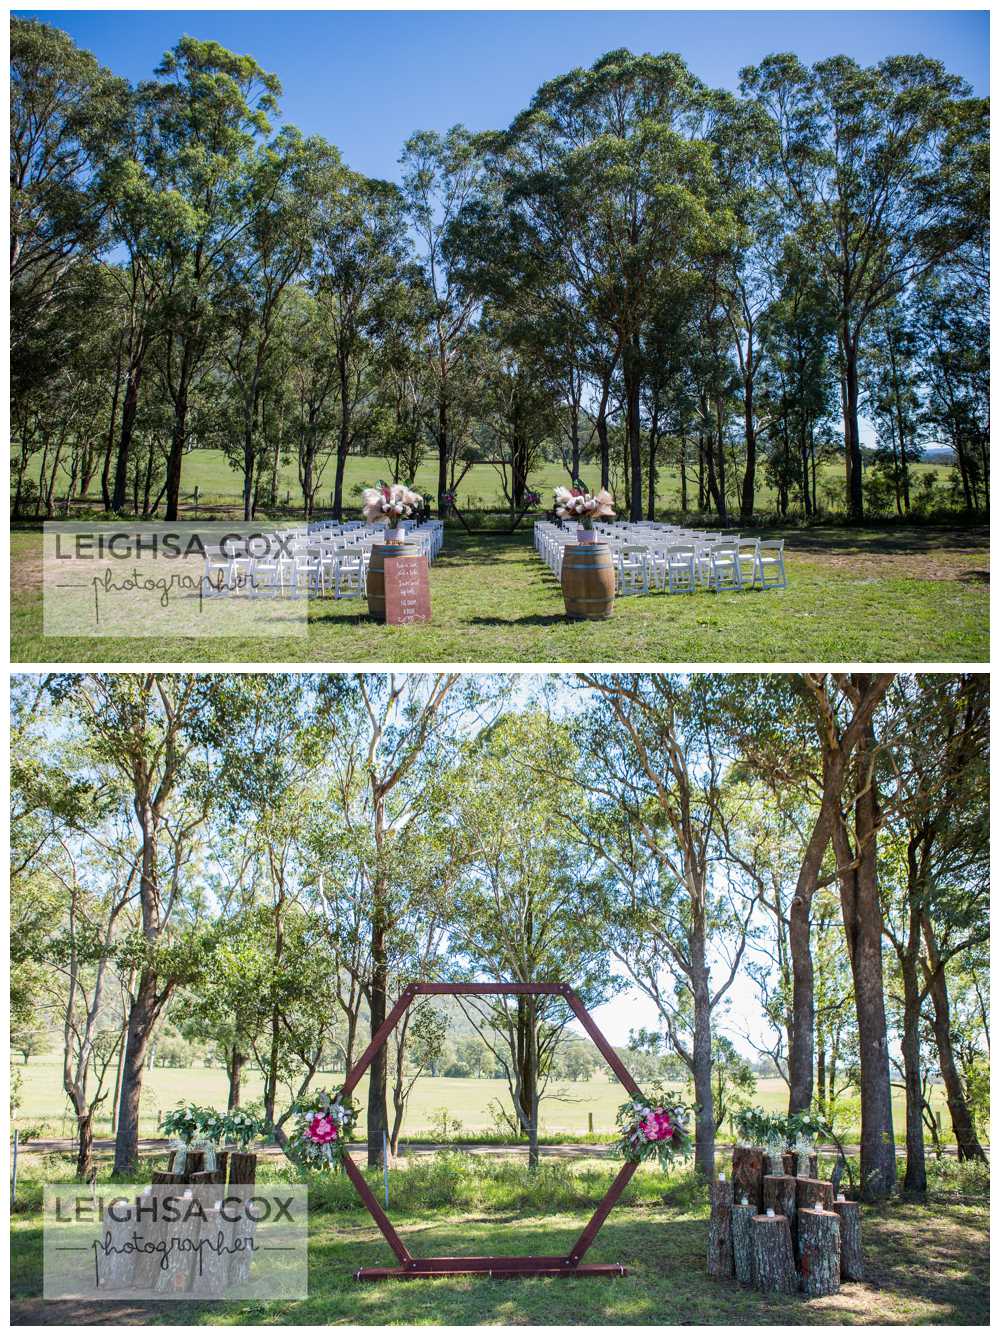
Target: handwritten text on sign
{"x": 407, "y": 591}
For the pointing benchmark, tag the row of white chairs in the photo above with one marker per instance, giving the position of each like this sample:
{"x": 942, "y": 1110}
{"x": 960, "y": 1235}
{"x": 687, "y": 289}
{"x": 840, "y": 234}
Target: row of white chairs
{"x": 656, "y": 557}
{"x": 323, "y": 561}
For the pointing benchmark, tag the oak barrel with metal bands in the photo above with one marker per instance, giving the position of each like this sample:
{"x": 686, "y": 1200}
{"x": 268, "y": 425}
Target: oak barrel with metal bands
{"x": 381, "y": 553}
{"x": 588, "y": 581}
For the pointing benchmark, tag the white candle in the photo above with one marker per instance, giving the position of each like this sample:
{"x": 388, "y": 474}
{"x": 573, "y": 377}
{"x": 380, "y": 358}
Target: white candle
{"x": 841, "y": 1197}
{"x": 770, "y": 1210}
{"x": 744, "y": 1201}
{"x": 722, "y": 1178}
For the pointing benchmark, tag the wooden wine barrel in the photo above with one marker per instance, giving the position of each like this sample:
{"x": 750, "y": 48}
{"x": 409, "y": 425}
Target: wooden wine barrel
{"x": 588, "y": 581}
{"x": 381, "y": 553}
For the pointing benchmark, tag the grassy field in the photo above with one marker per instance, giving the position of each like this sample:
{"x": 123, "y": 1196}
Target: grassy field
{"x": 891, "y": 594}
{"x": 219, "y": 483}
{"x": 564, "y": 1110}
{"x": 925, "y": 1263}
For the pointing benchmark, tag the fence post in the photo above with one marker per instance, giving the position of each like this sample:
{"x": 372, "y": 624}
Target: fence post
{"x": 590, "y": 1122}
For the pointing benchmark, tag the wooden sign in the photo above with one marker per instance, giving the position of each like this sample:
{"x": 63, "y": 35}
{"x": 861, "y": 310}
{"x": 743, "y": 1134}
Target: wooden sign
{"x": 407, "y": 591}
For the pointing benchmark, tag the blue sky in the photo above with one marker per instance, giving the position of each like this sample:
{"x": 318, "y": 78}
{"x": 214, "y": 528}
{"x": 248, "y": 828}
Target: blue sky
{"x": 367, "y": 79}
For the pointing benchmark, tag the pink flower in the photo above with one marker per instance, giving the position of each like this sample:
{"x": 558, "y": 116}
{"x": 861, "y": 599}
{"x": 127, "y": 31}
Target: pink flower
{"x": 322, "y": 1129}
{"x": 658, "y": 1127}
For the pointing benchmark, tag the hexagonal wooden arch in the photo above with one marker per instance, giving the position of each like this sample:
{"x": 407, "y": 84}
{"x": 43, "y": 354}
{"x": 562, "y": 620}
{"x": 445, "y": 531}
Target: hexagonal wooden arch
{"x": 411, "y": 1268}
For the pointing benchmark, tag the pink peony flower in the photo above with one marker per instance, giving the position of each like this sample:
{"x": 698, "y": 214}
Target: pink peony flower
{"x": 322, "y": 1129}
{"x": 658, "y": 1127}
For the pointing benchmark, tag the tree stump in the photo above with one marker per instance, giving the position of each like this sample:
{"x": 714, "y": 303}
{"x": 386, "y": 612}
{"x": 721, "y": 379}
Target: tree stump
{"x": 720, "y": 1230}
{"x": 788, "y": 1163}
{"x": 851, "y": 1260}
{"x": 773, "y": 1259}
{"x": 748, "y": 1174}
{"x": 216, "y": 1175}
{"x": 742, "y": 1242}
{"x": 780, "y": 1194}
{"x": 211, "y": 1269}
{"x": 242, "y": 1167}
{"x": 809, "y": 1191}
{"x": 819, "y": 1252}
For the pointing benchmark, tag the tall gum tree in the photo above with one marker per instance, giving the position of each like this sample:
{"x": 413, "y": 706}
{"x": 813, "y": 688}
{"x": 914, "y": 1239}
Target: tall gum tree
{"x": 204, "y": 138}
{"x": 876, "y": 170}
{"x": 606, "y": 169}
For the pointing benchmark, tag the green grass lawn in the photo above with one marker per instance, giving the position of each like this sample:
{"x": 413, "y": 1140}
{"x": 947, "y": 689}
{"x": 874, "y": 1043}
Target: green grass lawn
{"x": 218, "y": 482}
{"x": 925, "y": 1263}
{"x": 888, "y": 594}
{"x": 564, "y": 1110}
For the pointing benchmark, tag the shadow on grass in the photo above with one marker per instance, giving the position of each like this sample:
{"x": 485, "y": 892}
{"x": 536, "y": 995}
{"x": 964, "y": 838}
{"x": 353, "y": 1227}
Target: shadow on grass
{"x": 906, "y": 540}
{"x": 535, "y": 619}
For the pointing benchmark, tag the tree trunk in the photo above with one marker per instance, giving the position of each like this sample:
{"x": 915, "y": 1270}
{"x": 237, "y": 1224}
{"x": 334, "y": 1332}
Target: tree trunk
{"x": 962, "y": 1124}
{"x": 236, "y": 1061}
{"x": 819, "y": 1252}
{"x": 720, "y": 1230}
{"x": 855, "y": 494}
{"x": 378, "y": 1120}
{"x": 773, "y": 1258}
{"x": 916, "y": 1168}
{"x": 863, "y": 927}
{"x": 141, "y": 1018}
{"x": 851, "y": 1258}
{"x": 701, "y": 1054}
{"x": 130, "y": 408}
{"x": 743, "y": 1242}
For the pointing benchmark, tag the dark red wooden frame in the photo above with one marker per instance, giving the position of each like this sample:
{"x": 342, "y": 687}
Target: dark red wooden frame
{"x": 410, "y": 1268}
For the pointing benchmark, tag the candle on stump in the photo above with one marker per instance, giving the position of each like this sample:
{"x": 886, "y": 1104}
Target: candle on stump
{"x": 770, "y": 1210}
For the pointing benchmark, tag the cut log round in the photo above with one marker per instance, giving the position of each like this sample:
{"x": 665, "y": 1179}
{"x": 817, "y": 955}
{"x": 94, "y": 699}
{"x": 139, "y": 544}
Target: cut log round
{"x": 809, "y": 1191}
{"x": 789, "y": 1163}
{"x": 819, "y": 1252}
{"x": 780, "y": 1196}
{"x": 851, "y": 1260}
{"x": 748, "y": 1175}
{"x": 742, "y": 1242}
{"x": 773, "y": 1259}
{"x": 720, "y": 1230}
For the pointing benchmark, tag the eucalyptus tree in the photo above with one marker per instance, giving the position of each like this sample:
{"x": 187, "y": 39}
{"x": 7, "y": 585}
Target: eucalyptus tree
{"x": 269, "y": 256}
{"x": 657, "y": 809}
{"x": 934, "y": 867}
{"x": 204, "y": 125}
{"x": 876, "y": 170}
{"x": 748, "y": 278}
{"x": 142, "y": 739}
{"x": 606, "y": 169}
{"x": 360, "y": 253}
{"x": 954, "y": 353}
{"x": 385, "y": 782}
{"x": 66, "y": 113}
{"x": 523, "y": 912}
{"x": 440, "y": 176}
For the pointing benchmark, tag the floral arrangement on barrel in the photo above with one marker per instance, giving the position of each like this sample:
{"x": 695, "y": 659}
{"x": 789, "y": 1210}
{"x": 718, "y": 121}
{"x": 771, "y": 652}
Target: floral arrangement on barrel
{"x": 654, "y": 1127}
{"x": 391, "y": 502}
{"x": 323, "y": 1128}
{"x": 576, "y": 503}
{"x": 448, "y": 500}
{"x": 531, "y": 499}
